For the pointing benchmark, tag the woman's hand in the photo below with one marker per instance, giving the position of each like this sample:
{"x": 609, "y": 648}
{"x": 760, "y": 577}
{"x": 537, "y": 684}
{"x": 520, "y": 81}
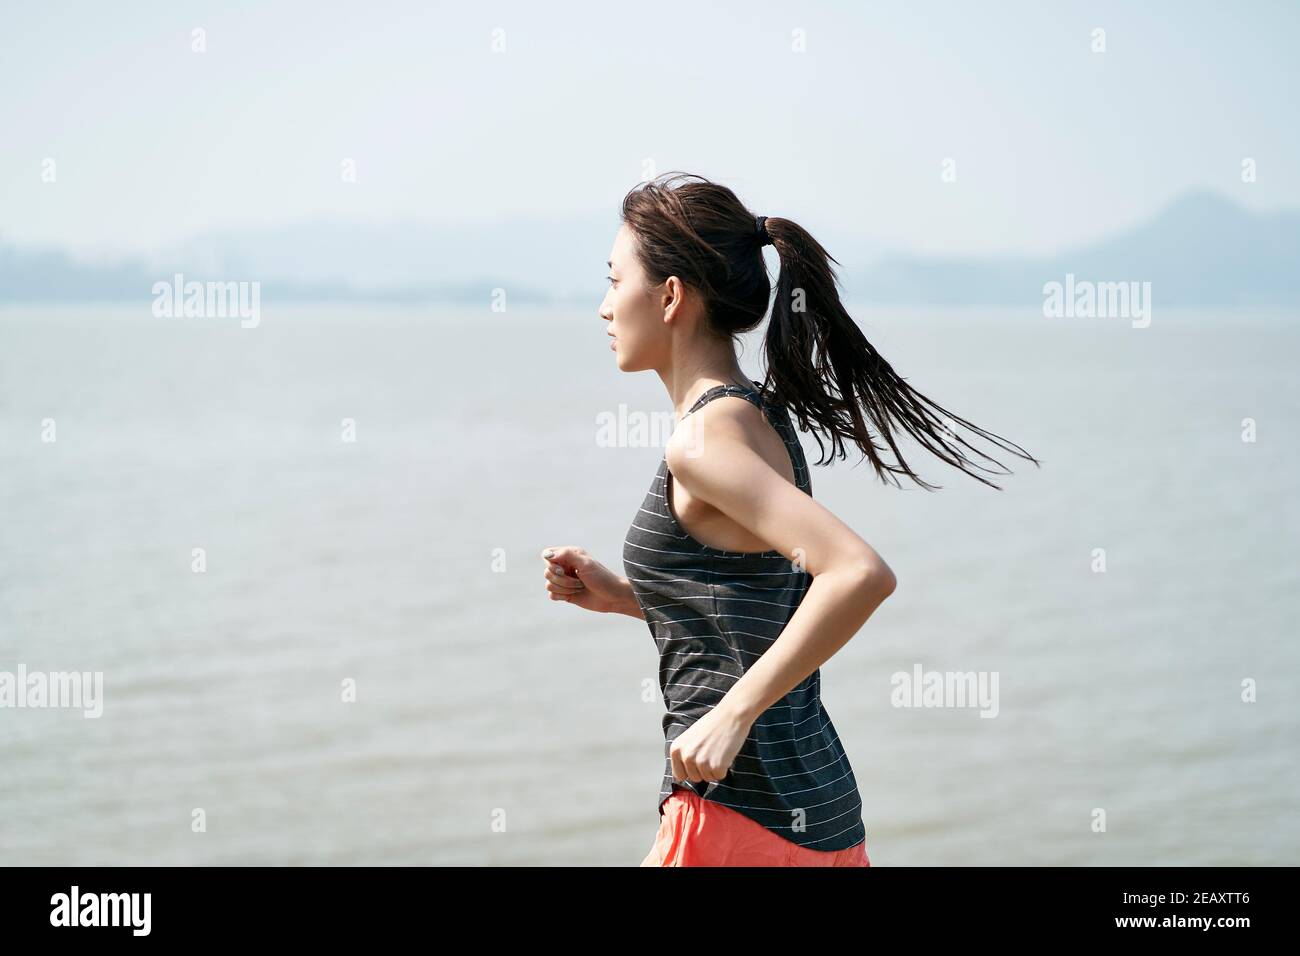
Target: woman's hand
{"x": 574, "y": 576}
{"x": 705, "y": 750}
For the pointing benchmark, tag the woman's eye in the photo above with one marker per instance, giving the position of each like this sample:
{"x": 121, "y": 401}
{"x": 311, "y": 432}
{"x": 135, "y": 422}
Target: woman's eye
{"x": 611, "y": 279}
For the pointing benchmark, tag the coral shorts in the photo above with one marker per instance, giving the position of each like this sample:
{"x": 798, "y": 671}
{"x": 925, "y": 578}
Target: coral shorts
{"x": 698, "y": 832}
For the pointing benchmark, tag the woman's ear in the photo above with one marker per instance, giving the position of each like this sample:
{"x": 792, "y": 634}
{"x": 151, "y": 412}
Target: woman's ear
{"x": 671, "y": 297}
{"x": 676, "y": 299}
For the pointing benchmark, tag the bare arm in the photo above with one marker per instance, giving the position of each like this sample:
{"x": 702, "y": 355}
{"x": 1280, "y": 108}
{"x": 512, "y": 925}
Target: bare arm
{"x": 850, "y": 580}
{"x": 628, "y": 604}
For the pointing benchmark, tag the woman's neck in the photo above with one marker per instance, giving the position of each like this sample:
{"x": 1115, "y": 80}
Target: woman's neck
{"x": 687, "y": 380}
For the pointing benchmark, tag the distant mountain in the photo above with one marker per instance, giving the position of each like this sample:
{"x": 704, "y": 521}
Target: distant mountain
{"x": 1203, "y": 249}
{"x": 39, "y": 275}
{"x": 47, "y": 275}
{"x": 554, "y": 258}
{"x": 535, "y": 261}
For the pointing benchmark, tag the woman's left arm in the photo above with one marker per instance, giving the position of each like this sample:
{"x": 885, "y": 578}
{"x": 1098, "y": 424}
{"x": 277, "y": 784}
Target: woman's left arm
{"x": 849, "y": 581}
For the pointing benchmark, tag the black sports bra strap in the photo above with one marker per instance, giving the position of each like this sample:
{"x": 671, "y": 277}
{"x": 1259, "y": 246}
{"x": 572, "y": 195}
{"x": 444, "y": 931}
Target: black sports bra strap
{"x": 717, "y": 391}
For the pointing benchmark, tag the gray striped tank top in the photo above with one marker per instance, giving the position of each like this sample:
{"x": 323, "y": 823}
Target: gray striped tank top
{"x": 712, "y": 614}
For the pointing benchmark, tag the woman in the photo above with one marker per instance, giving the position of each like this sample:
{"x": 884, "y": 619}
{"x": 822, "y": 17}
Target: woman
{"x": 748, "y": 584}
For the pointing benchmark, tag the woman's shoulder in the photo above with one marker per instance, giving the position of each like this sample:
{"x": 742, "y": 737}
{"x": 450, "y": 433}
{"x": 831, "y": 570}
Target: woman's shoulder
{"x": 710, "y": 440}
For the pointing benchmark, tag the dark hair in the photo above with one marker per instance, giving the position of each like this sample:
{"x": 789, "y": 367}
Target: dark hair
{"x": 819, "y": 364}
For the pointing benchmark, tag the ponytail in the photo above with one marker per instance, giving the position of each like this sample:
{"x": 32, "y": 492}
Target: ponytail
{"x": 821, "y": 367}
{"x": 819, "y": 364}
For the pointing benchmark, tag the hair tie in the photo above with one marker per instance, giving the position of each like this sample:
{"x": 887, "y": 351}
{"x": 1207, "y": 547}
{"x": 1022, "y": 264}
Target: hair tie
{"x": 760, "y": 229}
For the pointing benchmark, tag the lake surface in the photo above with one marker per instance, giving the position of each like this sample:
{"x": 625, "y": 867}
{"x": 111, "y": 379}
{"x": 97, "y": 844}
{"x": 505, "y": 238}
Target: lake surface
{"x": 493, "y": 726}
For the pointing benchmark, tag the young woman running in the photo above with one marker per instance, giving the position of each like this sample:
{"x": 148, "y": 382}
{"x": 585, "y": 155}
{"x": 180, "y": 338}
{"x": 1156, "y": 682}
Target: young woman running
{"x": 747, "y": 584}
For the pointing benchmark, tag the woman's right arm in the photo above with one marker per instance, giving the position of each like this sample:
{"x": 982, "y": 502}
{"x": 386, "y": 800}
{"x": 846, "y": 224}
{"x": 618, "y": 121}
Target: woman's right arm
{"x": 574, "y": 576}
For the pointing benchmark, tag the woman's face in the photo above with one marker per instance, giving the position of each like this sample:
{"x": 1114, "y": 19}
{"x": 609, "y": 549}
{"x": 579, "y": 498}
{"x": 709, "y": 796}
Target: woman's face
{"x": 633, "y": 309}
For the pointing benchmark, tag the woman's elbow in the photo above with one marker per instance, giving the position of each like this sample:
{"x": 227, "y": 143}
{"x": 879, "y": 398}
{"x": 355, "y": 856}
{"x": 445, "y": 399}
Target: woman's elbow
{"x": 890, "y": 582}
{"x": 875, "y": 580}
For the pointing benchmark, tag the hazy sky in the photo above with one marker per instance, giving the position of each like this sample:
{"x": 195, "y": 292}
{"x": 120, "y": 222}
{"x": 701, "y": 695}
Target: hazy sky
{"x": 1053, "y": 143}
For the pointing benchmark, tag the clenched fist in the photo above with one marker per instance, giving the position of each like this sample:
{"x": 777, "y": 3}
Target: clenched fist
{"x": 574, "y": 576}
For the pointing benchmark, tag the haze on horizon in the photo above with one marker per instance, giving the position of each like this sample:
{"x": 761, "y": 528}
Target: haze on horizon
{"x": 1053, "y": 144}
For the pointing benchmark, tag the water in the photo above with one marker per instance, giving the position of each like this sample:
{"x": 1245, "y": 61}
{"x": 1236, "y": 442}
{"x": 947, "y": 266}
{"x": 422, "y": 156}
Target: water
{"x": 493, "y": 726}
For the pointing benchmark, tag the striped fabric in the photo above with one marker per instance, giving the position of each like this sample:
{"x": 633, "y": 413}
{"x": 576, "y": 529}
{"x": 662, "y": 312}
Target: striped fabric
{"x": 712, "y": 614}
